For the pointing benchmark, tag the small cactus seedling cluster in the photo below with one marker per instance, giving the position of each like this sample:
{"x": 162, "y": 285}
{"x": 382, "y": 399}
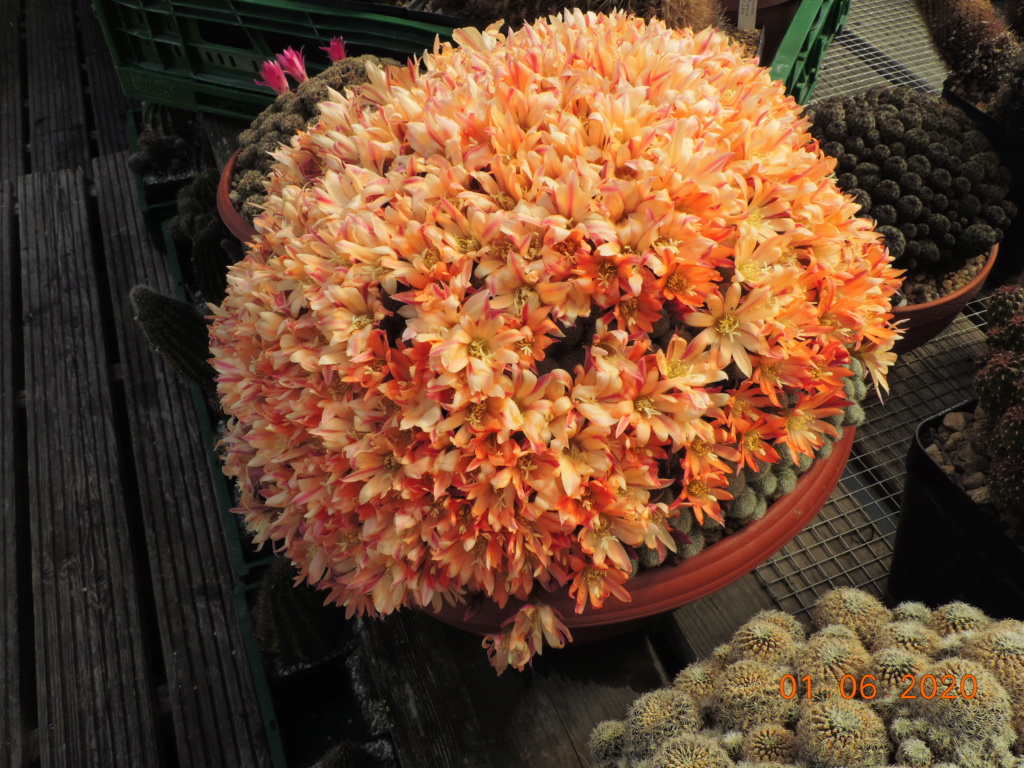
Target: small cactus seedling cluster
{"x": 198, "y": 229}
{"x": 983, "y": 451}
{"x": 916, "y": 165}
{"x": 166, "y": 142}
{"x": 847, "y": 702}
{"x": 290, "y": 112}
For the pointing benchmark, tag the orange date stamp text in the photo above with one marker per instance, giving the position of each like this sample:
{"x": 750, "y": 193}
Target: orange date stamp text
{"x": 909, "y": 687}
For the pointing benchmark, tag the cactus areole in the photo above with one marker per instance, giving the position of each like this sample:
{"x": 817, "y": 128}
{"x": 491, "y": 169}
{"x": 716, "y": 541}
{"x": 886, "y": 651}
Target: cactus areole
{"x": 544, "y": 311}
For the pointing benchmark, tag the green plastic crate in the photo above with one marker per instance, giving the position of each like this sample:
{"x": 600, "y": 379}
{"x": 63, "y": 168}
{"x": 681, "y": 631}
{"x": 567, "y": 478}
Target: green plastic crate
{"x": 799, "y": 56}
{"x": 204, "y": 55}
{"x": 247, "y": 563}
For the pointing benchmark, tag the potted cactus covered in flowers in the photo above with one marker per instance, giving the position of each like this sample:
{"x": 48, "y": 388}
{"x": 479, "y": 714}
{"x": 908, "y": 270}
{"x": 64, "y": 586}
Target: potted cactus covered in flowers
{"x": 562, "y": 303}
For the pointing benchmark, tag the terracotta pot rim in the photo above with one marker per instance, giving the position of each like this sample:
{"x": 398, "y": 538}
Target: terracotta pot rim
{"x": 232, "y": 219}
{"x": 973, "y": 285}
{"x": 715, "y": 567}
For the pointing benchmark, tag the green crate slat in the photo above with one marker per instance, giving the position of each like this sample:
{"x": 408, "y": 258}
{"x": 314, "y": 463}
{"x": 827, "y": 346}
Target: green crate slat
{"x": 247, "y": 568}
{"x": 264, "y": 698}
{"x": 805, "y": 43}
{"x": 205, "y": 54}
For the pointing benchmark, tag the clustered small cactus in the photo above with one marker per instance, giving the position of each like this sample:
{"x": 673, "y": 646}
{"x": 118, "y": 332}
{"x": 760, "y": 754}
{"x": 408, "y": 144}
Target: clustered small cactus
{"x": 291, "y": 111}
{"x": 753, "y": 492}
{"x": 999, "y": 386}
{"x": 916, "y": 165}
{"x": 981, "y": 47}
{"x": 199, "y": 230}
{"x": 165, "y": 145}
{"x": 729, "y": 711}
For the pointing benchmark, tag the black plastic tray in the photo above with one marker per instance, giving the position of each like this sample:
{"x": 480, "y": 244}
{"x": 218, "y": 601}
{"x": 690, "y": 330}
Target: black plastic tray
{"x": 947, "y": 546}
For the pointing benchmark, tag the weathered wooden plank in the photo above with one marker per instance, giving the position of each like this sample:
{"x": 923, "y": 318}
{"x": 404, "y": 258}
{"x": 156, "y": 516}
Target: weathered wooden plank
{"x": 107, "y": 102}
{"x": 711, "y": 621}
{"x": 94, "y": 687}
{"x": 11, "y": 735}
{"x": 12, "y": 142}
{"x": 213, "y": 703}
{"x": 447, "y": 707}
{"x": 58, "y": 127}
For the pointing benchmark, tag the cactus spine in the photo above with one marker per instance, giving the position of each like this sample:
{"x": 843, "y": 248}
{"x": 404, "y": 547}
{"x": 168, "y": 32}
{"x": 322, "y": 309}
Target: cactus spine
{"x": 177, "y": 332}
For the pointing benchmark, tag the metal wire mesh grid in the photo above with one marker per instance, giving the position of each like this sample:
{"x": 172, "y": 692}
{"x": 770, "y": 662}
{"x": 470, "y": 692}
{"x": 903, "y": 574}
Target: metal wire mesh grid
{"x": 850, "y": 543}
{"x": 882, "y": 43}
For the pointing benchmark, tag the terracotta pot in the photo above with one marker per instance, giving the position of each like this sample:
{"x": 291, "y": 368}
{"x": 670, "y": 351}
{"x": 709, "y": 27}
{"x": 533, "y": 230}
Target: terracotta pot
{"x": 232, "y": 219}
{"x": 664, "y": 589}
{"x": 925, "y": 321}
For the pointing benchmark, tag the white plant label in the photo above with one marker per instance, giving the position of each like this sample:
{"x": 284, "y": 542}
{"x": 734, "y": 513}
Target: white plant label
{"x": 747, "y": 15}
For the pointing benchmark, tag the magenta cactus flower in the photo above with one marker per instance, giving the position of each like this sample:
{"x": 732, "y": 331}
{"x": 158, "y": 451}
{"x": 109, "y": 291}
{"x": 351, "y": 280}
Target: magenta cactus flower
{"x": 335, "y": 49}
{"x": 273, "y": 77}
{"x": 294, "y": 64}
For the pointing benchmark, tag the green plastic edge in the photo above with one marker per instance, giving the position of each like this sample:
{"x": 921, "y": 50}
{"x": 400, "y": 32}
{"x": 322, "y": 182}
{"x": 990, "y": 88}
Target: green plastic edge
{"x": 268, "y": 714}
{"x": 789, "y": 64}
{"x": 243, "y": 570}
{"x": 264, "y": 699}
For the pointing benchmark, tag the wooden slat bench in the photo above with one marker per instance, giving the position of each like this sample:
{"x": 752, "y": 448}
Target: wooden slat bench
{"x": 11, "y": 728}
{"x": 58, "y": 125}
{"x": 107, "y": 103}
{"x": 12, "y": 142}
{"x": 447, "y": 707}
{"x": 216, "y": 720}
{"x": 96, "y": 700}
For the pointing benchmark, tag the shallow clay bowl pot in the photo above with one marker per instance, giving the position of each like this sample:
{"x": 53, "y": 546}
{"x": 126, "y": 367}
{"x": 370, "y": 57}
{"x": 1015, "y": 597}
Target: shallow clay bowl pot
{"x": 232, "y": 219}
{"x": 927, "y": 320}
{"x": 659, "y": 590}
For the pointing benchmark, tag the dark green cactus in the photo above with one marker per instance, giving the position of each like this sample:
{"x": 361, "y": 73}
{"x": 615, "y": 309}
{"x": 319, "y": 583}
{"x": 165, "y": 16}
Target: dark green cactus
{"x": 213, "y": 251}
{"x": 176, "y": 331}
{"x": 1006, "y": 484}
{"x": 1009, "y": 334}
{"x": 916, "y": 166}
{"x": 197, "y": 206}
{"x": 291, "y": 623}
{"x": 997, "y": 383}
{"x": 1008, "y": 434}
{"x": 1004, "y": 303}
{"x": 972, "y": 39}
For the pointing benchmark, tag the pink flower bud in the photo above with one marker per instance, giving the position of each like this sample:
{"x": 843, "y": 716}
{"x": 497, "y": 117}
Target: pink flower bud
{"x": 273, "y": 77}
{"x": 294, "y": 64}
{"x": 336, "y": 49}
